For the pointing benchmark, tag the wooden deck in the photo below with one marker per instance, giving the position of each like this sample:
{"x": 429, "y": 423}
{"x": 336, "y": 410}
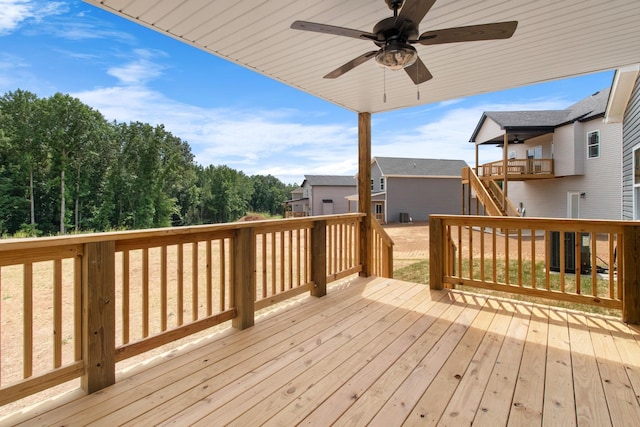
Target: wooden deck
{"x": 383, "y": 352}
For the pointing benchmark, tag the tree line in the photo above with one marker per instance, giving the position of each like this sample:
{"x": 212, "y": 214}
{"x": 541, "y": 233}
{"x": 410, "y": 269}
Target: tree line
{"x": 64, "y": 167}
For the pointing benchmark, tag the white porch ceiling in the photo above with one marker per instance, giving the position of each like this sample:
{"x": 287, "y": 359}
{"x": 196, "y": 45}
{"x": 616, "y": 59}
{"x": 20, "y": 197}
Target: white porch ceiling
{"x": 554, "y": 39}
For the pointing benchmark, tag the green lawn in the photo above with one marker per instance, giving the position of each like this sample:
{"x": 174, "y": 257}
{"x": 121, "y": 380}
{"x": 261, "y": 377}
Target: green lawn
{"x": 418, "y": 272}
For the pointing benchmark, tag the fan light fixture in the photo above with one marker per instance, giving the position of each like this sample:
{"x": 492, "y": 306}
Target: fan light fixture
{"x": 396, "y": 56}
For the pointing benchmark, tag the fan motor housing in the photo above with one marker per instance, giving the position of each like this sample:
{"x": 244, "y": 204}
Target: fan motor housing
{"x": 394, "y": 29}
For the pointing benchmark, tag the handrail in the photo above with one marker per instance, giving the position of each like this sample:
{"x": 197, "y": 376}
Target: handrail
{"x": 145, "y": 288}
{"x": 540, "y": 257}
{"x": 483, "y": 195}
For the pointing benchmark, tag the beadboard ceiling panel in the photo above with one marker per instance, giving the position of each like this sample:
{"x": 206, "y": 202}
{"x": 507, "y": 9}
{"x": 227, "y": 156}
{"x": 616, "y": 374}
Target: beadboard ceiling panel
{"x": 554, "y": 39}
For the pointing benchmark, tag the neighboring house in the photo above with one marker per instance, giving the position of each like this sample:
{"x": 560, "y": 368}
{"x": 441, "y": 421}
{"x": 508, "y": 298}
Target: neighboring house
{"x": 560, "y": 163}
{"x": 624, "y": 107}
{"x": 406, "y": 189}
{"x": 321, "y": 195}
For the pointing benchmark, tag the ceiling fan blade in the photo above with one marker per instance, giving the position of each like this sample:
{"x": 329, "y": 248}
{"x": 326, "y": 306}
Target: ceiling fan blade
{"x": 415, "y": 10}
{"x": 500, "y": 30}
{"x": 351, "y": 65}
{"x": 333, "y": 30}
{"x": 418, "y": 72}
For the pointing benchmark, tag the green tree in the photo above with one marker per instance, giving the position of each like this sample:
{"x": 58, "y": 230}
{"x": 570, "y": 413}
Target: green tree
{"x": 268, "y": 194}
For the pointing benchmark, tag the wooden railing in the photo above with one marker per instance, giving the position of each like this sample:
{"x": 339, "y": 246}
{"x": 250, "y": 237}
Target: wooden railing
{"x": 517, "y": 167}
{"x": 86, "y": 302}
{"x": 482, "y": 193}
{"x": 540, "y": 257}
{"x": 383, "y": 251}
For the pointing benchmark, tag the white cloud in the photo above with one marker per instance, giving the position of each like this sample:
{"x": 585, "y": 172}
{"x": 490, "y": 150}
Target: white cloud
{"x": 14, "y": 13}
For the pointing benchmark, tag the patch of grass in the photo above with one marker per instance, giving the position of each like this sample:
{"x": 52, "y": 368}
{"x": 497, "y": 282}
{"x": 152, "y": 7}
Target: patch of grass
{"x": 418, "y": 272}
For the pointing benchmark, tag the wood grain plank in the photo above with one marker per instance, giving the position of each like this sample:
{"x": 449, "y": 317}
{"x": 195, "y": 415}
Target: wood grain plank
{"x": 331, "y": 345}
{"x": 448, "y": 355}
{"x": 464, "y": 403}
{"x": 591, "y": 404}
{"x": 496, "y": 402}
{"x": 559, "y": 402}
{"x": 141, "y": 379}
{"x": 336, "y": 369}
{"x": 528, "y": 397}
{"x": 621, "y": 400}
{"x": 338, "y": 392}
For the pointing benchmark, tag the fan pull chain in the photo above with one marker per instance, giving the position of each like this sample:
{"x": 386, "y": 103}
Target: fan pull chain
{"x": 384, "y": 85}
{"x": 418, "y": 85}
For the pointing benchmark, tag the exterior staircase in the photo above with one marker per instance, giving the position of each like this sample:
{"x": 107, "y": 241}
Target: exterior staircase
{"x": 489, "y": 193}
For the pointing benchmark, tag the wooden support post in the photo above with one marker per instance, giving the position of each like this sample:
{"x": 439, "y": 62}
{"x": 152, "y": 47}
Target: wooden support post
{"x": 364, "y": 192}
{"x": 436, "y": 253}
{"x": 631, "y": 281}
{"x": 319, "y": 258}
{"x": 244, "y": 277}
{"x": 505, "y": 161}
{"x": 98, "y": 316}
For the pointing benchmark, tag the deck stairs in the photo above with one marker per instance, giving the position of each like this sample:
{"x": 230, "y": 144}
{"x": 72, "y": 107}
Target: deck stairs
{"x": 489, "y": 193}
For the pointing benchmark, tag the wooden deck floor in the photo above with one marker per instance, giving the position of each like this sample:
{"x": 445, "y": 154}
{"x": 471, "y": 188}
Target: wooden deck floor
{"x": 384, "y": 352}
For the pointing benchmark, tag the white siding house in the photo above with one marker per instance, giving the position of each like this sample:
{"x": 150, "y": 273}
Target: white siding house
{"x": 586, "y": 155}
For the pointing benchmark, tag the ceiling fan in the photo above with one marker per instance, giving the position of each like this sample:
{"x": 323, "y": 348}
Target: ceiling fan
{"x": 395, "y": 36}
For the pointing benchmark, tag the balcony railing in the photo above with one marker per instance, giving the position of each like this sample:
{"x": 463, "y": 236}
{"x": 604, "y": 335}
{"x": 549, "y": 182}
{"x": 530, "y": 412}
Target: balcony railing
{"x": 89, "y": 301}
{"x": 518, "y": 169}
{"x": 579, "y": 261}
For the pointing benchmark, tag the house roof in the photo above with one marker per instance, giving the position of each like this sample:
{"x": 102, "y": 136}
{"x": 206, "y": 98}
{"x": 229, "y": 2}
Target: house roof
{"x": 330, "y": 180}
{"x": 554, "y": 39}
{"x": 529, "y": 124}
{"x": 623, "y": 83}
{"x": 399, "y": 166}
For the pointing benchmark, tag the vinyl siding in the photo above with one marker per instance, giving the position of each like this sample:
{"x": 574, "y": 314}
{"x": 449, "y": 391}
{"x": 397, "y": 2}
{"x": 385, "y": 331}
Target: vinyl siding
{"x": 601, "y": 181}
{"x": 631, "y": 139}
{"x": 337, "y": 194}
{"x": 421, "y": 197}
{"x": 568, "y": 150}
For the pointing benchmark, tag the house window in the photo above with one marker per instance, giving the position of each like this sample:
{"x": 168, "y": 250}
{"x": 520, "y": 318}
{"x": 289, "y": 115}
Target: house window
{"x": 593, "y": 144}
{"x": 381, "y": 184}
{"x": 378, "y": 207}
{"x": 371, "y": 185}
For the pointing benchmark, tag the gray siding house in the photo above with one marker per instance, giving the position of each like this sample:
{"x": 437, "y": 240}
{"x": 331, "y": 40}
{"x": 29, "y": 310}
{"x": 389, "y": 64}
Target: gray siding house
{"x": 321, "y": 195}
{"x": 404, "y": 189}
{"x": 624, "y": 107}
{"x": 584, "y": 154}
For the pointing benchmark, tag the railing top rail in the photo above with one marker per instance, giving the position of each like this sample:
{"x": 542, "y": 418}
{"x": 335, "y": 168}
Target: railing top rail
{"x": 382, "y": 232}
{"x": 565, "y": 224}
{"x": 165, "y": 233}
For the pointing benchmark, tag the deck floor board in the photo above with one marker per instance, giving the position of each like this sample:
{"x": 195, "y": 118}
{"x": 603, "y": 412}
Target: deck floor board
{"x": 382, "y": 352}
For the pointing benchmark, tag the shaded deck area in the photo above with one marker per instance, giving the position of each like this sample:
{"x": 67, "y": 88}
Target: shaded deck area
{"x": 378, "y": 351}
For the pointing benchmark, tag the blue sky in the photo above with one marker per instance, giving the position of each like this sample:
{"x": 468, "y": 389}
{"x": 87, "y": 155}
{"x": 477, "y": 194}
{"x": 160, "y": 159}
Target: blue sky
{"x": 230, "y": 115}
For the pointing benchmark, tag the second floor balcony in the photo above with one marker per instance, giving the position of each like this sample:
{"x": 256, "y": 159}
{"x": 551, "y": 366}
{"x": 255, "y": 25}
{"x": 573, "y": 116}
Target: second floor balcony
{"x": 518, "y": 169}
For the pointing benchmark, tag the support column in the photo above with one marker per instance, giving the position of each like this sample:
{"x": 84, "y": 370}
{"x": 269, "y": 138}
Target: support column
{"x": 364, "y": 192}
{"x": 98, "y": 316}
{"x": 244, "y": 277}
{"x": 319, "y": 258}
